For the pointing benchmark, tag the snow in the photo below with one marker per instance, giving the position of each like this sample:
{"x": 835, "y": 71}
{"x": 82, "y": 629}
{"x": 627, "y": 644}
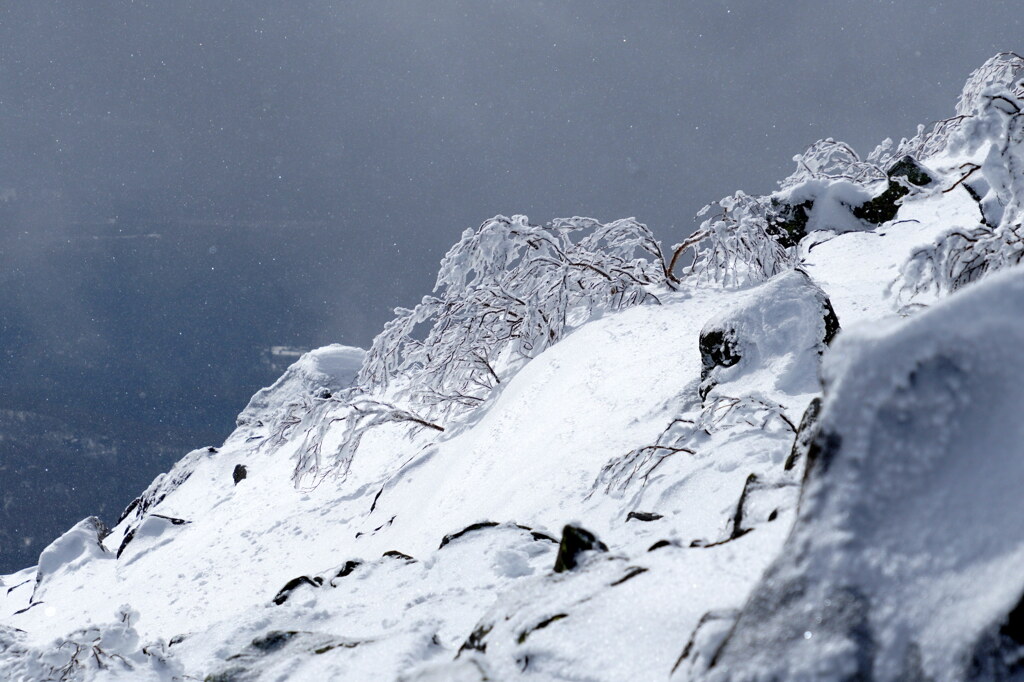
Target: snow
{"x": 909, "y": 523}
{"x": 877, "y": 538}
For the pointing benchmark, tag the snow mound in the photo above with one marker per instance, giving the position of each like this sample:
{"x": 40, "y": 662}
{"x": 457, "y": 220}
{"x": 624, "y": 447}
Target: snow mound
{"x": 318, "y": 373}
{"x": 904, "y": 562}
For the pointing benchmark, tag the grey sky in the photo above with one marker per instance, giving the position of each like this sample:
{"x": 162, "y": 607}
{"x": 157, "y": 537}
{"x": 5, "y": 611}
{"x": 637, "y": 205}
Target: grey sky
{"x": 306, "y": 164}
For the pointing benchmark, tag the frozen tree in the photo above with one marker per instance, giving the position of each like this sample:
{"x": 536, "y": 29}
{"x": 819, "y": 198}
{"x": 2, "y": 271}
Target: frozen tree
{"x": 504, "y": 293}
{"x": 995, "y": 128}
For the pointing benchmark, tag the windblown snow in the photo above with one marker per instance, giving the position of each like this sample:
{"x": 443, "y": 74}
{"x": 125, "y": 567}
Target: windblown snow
{"x": 786, "y": 449}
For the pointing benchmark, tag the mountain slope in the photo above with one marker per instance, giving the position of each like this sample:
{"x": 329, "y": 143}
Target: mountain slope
{"x": 582, "y": 460}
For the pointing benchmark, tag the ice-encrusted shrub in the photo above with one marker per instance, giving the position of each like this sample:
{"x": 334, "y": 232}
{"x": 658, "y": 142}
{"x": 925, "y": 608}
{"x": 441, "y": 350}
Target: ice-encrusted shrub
{"x": 504, "y": 293}
{"x": 734, "y": 246}
{"x": 510, "y": 287}
{"x": 1002, "y": 70}
{"x": 750, "y": 239}
{"x": 965, "y": 254}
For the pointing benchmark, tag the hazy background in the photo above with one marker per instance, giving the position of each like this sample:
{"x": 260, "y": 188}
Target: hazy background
{"x": 185, "y": 184}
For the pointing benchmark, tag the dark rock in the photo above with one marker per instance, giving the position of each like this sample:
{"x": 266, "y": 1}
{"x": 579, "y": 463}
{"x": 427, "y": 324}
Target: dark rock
{"x": 631, "y": 572}
{"x": 718, "y": 348}
{"x": 476, "y": 640}
{"x": 273, "y": 640}
{"x": 575, "y": 541}
{"x": 536, "y": 534}
{"x": 737, "y": 518}
{"x": 643, "y": 516}
{"x": 883, "y": 208}
{"x": 540, "y": 626}
{"x": 211, "y": 449}
{"x": 239, "y": 473}
{"x": 804, "y": 434}
{"x": 130, "y": 533}
{"x": 347, "y": 568}
{"x": 128, "y": 536}
{"x": 787, "y": 223}
{"x": 393, "y": 554}
{"x": 468, "y": 529}
{"x": 285, "y": 592}
{"x": 174, "y": 520}
{"x": 831, "y": 320}
{"x": 659, "y": 544}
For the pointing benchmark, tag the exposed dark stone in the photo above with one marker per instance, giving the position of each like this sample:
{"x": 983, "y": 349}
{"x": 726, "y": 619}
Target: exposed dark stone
{"x": 631, "y": 573}
{"x": 643, "y": 516}
{"x": 273, "y": 640}
{"x": 347, "y": 568}
{"x": 718, "y": 348}
{"x": 536, "y": 534}
{"x": 129, "y": 509}
{"x": 177, "y": 639}
{"x": 575, "y": 541}
{"x": 774, "y": 515}
{"x": 787, "y": 223}
{"x": 393, "y": 554}
{"x": 468, "y": 529}
{"x": 659, "y": 544}
{"x": 540, "y": 626}
{"x": 737, "y": 518}
{"x": 239, "y": 473}
{"x": 883, "y": 208}
{"x": 174, "y": 520}
{"x": 128, "y": 536}
{"x": 290, "y": 586}
{"x": 476, "y": 640}
{"x": 909, "y": 169}
{"x": 373, "y": 505}
{"x": 831, "y": 322}
{"x": 804, "y": 434}
{"x": 336, "y": 645}
{"x": 211, "y": 449}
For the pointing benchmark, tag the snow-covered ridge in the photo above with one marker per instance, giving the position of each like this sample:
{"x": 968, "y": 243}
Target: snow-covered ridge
{"x": 586, "y": 457}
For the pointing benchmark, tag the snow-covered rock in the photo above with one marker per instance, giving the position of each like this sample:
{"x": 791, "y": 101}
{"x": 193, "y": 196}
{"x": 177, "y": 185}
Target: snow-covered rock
{"x": 904, "y": 562}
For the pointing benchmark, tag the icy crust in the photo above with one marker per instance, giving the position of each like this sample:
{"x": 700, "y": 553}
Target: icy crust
{"x": 904, "y": 562}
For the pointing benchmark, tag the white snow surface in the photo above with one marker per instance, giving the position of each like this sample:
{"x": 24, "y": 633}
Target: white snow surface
{"x": 432, "y": 555}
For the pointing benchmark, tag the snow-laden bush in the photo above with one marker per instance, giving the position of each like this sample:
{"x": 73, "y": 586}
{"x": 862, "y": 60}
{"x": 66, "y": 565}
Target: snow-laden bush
{"x": 504, "y": 293}
{"x": 750, "y": 239}
{"x": 734, "y": 246}
{"x": 1004, "y": 69}
{"x": 994, "y": 130}
{"x": 510, "y": 287}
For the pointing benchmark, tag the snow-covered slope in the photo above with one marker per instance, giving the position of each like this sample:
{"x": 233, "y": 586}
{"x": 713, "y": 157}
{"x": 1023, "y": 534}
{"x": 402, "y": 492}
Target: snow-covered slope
{"x": 591, "y": 467}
